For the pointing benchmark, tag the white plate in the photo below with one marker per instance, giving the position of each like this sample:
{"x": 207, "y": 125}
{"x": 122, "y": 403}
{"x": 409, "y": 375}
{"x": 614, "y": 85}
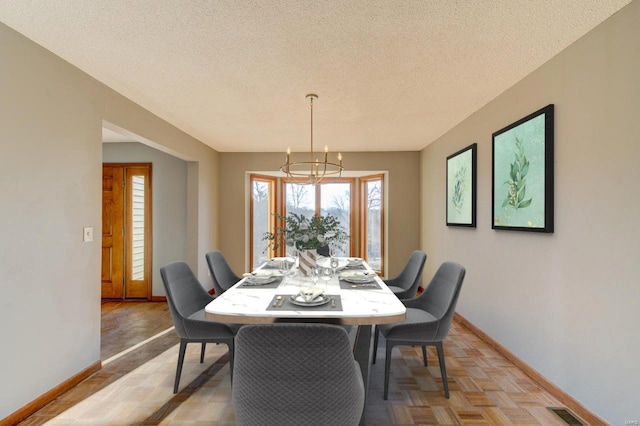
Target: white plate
{"x": 359, "y": 280}
{"x": 299, "y": 300}
{"x": 261, "y": 280}
{"x": 276, "y": 261}
{"x": 262, "y": 274}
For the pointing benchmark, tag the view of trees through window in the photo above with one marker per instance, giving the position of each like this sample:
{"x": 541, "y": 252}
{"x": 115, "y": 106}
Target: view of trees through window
{"x": 374, "y": 222}
{"x": 261, "y": 216}
{"x": 331, "y": 198}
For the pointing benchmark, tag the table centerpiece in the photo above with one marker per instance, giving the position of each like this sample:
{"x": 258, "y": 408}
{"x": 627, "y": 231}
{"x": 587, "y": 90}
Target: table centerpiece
{"x": 306, "y": 235}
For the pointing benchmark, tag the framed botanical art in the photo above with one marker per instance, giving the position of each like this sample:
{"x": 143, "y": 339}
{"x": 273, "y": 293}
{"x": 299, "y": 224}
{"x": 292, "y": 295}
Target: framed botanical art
{"x": 522, "y": 181}
{"x": 461, "y": 187}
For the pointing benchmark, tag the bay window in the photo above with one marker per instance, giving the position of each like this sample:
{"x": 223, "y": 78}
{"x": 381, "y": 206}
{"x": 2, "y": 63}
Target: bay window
{"x": 361, "y": 215}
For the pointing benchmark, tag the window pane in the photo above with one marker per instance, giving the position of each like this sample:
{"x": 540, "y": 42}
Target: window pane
{"x": 137, "y": 228}
{"x": 335, "y": 200}
{"x": 261, "y": 192}
{"x": 374, "y": 223}
{"x": 300, "y": 199}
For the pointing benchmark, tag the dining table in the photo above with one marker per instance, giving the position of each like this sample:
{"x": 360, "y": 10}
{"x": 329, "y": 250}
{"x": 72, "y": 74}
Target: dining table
{"x": 351, "y": 294}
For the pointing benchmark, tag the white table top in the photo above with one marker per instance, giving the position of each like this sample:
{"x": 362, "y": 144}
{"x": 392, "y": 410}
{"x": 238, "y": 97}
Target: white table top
{"x": 248, "y": 305}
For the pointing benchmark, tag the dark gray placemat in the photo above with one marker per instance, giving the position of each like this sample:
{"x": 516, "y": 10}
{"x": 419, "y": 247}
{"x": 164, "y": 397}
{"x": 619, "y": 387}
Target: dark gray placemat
{"x": 273, "y": 284}
{"x": 286, "y": 305}
{"x": 346, "y": 285}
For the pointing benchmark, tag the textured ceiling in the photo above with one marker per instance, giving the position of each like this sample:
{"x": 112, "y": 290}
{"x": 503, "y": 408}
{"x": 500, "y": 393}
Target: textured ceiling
{"x": 390, "y": 75}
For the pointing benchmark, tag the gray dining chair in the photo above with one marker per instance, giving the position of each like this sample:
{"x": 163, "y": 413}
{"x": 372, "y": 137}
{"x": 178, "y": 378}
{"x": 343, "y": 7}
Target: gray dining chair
{"x": 187, "y": 300}
{"x": 296, "y": 374}
{"x": 221, "y": 274}
{"x": 427, "y": 322}
{"x": 405, "y": 285}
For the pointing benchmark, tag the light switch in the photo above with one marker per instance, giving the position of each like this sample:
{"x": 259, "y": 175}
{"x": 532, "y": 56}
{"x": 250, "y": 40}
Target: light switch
{"x": 87, "y": 234}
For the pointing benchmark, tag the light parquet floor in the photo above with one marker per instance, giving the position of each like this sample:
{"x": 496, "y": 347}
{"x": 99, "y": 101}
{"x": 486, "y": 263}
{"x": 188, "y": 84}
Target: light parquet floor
{"x": 136, "y": 389}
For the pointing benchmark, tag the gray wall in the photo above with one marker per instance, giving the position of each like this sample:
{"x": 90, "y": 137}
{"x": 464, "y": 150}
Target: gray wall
{"x": 51, "y": 116}
{"x": 565, "y": 303}
{"x": 169, "y": 198}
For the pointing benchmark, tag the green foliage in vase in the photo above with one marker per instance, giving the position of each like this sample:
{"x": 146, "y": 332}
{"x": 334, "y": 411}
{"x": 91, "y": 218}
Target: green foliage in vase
{"x": 305, "y": 233}
{"x": 459, "y": 188}
{"x": 517, "y": 180}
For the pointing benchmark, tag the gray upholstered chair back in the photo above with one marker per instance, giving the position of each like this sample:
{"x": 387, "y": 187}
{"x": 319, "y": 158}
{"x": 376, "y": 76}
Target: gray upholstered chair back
{"x": 441, "y": 296}
{"x": 412, "y": 271}
{"x": 185, "y": 294}
{"x": 221, "y": 274}
{"x": 409, "y": 278}
{"x": 324, "y": 251}
{"x": 296, "y": 374}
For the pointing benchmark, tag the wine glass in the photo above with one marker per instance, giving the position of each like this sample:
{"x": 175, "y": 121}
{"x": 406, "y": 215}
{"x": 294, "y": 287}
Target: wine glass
{"x": 293, "y": 255}
{"x": 283, "y": 268}
{"x": 333, "y": 261}
{"x": 315, "y": 274}
{"x": 326, "y": 273}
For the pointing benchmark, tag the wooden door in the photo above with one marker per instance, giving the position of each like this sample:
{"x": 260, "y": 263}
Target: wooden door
{"x": 112, "y": 232}
{"x": 126, "y": 231}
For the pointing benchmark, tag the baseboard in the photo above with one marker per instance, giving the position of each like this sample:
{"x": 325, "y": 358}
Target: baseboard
{"x": 159, "y": 298}
{"x": 567, "y": 400}
{"x": 50, "y": 395}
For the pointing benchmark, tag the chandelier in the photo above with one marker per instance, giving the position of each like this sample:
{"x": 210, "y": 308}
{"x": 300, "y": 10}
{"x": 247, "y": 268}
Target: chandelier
{"x": 312, "y": 171}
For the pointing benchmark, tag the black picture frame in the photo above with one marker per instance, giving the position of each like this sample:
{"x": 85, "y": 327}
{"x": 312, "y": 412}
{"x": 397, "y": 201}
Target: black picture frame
{"x": 461, "y": 184}
{"x": 522, "y": 174}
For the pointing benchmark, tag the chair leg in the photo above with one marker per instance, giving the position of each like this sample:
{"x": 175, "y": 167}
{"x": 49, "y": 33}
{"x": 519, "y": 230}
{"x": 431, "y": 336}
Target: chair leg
{"x": 231, "y": 356}
{"x": 376, "y": 333}
{"x": 183, "y": 347}
{"x": 387, "y": 367}
{"x": 424, "y": 355}
{"x": 443, "y": 368}
{"x": 204, "y": 344}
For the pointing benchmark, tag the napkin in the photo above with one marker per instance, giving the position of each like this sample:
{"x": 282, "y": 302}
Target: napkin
{"x": 357, "y": 274}
{"x": 309, "y": 294}
{"x": 354, "y": 261}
